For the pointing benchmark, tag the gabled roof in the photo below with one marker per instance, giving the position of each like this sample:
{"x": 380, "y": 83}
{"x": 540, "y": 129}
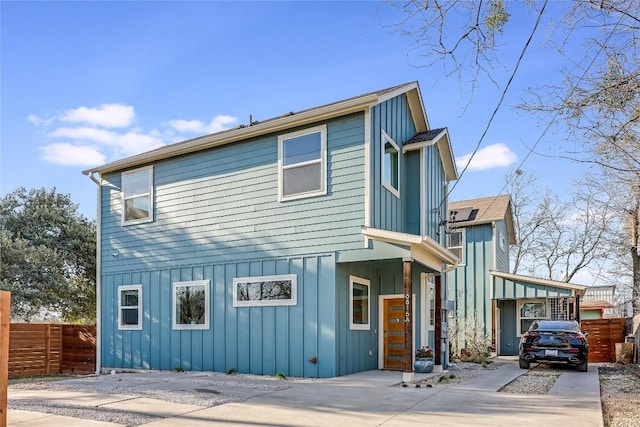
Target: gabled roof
{"x": 439, "y": 136}
{"x": 287, "y": 121}
{"x": 484, "y": 210}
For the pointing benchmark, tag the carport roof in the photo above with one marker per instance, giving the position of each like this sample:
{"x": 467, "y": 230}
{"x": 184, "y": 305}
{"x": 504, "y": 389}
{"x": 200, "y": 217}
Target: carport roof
{"x": 578, "y": 289}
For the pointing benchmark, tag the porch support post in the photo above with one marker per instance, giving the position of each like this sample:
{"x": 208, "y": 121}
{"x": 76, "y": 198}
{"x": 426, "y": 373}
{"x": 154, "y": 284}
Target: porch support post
{"x": 577, "y": 308}
{"x": 407, "y": 375}
{"x": 437, "y": 353}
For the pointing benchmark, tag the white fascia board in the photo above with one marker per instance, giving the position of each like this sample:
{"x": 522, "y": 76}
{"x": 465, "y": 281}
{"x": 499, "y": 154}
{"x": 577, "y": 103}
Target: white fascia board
{"x": 239, "y": 134}
{"x": 547, "y": 282}
{"x": 421, "y": 247}
{"x": 445, "y": 150}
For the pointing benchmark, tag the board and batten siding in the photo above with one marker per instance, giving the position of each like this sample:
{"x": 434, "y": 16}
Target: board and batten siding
{"x": 221, "y": 205}
{"x": 394, "y": 118}
{"x": 256, "y": 340}
{"x": 469, "y": 285}
{"x": 435, "y": 194}
{"x": 509, "y": 289}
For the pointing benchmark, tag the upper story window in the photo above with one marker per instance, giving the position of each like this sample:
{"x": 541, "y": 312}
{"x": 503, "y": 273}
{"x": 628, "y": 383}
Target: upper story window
{"x": 302, "y": 163}
{"x": 130, "y": 307}
{"x": 265, "y": 290}
{"x": 390, "y": 165}
{"x": 137, "y": 196}
{"x": 456, "y": 244}
{"x": 501, "y": 241}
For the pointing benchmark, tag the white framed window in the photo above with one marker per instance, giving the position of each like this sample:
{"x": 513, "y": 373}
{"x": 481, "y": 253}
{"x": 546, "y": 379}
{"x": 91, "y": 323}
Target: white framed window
{"x": 501, "y": 241}
{"x": 302, "y": 163}
{"x": 359, "y": 303}
{"x": 456, "y": 243}
{"x": 191, "y": 305}
{"x": 265, "y": 290}
{"x": 130, "y": 307}
{"x": 390, "y": 165}
{"x": 137, "y": 196}
{"x": 528, "y": 312}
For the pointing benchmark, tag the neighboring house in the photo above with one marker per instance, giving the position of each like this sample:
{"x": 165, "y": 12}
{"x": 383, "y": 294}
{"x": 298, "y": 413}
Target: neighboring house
{"x": 498, "y": 304}
{"x": 598, "y": 302}
{"x": 277, "y": 247}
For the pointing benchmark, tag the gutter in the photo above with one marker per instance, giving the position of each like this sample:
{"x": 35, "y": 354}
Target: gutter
{"x": 98, "y": 272}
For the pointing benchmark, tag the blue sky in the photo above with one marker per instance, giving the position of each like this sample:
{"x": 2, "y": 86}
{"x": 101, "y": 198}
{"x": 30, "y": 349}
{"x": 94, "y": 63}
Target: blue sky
{"x": 85, "y": 83}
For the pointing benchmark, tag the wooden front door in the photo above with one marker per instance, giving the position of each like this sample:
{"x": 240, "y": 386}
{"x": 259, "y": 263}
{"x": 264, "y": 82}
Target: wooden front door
{"x": 393, "y": 323}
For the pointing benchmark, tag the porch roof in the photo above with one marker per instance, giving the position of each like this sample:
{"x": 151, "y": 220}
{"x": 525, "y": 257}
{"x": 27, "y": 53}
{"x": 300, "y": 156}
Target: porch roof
{"x": 509, "y": 286}
{"x": 423, "y": 249}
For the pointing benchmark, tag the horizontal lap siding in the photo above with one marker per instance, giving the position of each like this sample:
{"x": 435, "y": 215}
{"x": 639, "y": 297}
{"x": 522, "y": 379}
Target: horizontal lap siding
{"x": 394, "y": 118}
{"x": 221, "y": 205}
{"x": 257, "y": 340}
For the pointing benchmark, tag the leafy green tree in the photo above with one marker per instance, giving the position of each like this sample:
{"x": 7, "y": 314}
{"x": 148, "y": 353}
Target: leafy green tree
{"x": 48, "y": 256}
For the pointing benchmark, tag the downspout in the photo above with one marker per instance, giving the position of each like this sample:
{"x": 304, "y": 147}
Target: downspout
{"x": 98, "y": 273}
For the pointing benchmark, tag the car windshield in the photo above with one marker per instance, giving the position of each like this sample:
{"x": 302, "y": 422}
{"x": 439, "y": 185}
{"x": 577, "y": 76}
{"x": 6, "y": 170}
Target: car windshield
{"x": 554, "y": 325}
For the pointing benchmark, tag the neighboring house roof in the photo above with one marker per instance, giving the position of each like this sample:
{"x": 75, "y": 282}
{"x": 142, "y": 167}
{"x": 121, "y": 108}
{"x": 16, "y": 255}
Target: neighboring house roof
{"x": 485, "y": 210}
{"x": 257, "y": 128}
{"x": 594, "y": 305}
{"x": 579, "y": 289}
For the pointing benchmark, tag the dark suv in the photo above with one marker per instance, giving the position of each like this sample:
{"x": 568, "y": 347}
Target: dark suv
{"x": 555, "y": 341}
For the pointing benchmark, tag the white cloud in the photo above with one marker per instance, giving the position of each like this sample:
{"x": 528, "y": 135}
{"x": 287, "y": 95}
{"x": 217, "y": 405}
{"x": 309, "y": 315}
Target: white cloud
{"x": 84, "y": 133}
{"x": 39, "y": 121}
{"x": 63, "y": 153}
{"x": 492, "y": 156}
{"x": 107, "y": 115}
{"x": 217, "y": 124}
{"x": 133, "y": 142}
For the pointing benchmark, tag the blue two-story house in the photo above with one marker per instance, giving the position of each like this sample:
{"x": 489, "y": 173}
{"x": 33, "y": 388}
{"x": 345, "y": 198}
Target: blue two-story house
{"x": 283, "y": 246}
{"x": 489, "y": 301}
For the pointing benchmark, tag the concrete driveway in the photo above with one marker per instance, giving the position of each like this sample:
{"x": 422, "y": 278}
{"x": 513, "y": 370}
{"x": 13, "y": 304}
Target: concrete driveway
{"x": 364, "y": 399}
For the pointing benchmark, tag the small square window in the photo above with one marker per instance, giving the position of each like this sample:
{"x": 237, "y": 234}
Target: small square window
{"x": 529, "y": 312}
{"x": 130, "y": 307}
{"x": 137, "y": 196}
{"x": 390, "y": 165}
{"x": 191, "y": 305}
{"x": 360, "y": 303}
{"x": 302, "y": 163}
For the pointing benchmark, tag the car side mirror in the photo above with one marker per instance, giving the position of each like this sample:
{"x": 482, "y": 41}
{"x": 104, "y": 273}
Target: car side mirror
{"x": 586, "y": 334}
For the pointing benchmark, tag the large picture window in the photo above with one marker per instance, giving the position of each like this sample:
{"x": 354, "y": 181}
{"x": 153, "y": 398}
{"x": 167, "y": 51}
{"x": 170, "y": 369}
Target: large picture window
{"x": 137, "y": 196}
{"x": 390, "y": 165}
{"x": 529, "y": 312}
{"x": 191, "y": 305}
{"x": 302, "y": 163}
{"x": 265, "y": 290}
{"x": 130, "y": 307}
{"x": 360, "y": 303}
{"x": 456, "y": 243}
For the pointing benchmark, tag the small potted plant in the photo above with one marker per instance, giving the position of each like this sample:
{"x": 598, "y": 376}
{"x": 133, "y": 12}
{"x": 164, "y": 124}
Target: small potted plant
{"x": 424, "y": 360}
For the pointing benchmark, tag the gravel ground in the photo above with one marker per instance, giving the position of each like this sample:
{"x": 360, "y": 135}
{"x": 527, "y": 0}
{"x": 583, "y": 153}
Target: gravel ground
{"x": 620, "y": 394}
{"x": 619, "y": 390}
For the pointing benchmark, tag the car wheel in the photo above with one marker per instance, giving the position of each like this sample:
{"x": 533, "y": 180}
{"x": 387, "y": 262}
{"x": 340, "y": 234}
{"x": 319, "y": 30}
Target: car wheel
{"x": 524, "y": 364}
{"x": 583, "y": 367}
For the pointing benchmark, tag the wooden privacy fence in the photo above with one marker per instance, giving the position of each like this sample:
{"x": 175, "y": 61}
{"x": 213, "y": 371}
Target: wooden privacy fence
{"x": 603, "y": 336}
{"x": 48, "y": 349}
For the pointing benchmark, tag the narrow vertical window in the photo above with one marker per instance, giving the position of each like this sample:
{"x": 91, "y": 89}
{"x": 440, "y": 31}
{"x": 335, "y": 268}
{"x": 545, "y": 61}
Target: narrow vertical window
{"x": 390, "y": 165}
{"x": 137, "y": 196}
{"x": 456, "y": 244}
{"x": 191, "y": 305}
{"x": 130, "y": 307}
{"x": 360, "y": 303}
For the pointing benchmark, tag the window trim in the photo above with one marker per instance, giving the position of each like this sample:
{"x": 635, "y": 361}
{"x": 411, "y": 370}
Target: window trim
{"x": 389, "y": 186}
{"x": 123, "y": 175}
{"x": 207, "y": 307}
{"x": 367, "y": 283}
{"x": 322, "y": 129}
{"x": 463, "y": 244}
{"x": 267, "y": 303}
{"x": 138, "y": 326}
{"x": 519, "y": 317}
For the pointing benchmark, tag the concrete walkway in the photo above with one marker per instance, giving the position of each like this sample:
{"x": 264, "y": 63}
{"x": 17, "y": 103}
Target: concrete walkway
{"x": 364, "y": 399}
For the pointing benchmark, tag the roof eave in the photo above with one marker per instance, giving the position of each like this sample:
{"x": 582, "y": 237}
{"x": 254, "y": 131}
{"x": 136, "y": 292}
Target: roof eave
{"x": 214, "y": 140}
{"x": 578, "y": 289}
